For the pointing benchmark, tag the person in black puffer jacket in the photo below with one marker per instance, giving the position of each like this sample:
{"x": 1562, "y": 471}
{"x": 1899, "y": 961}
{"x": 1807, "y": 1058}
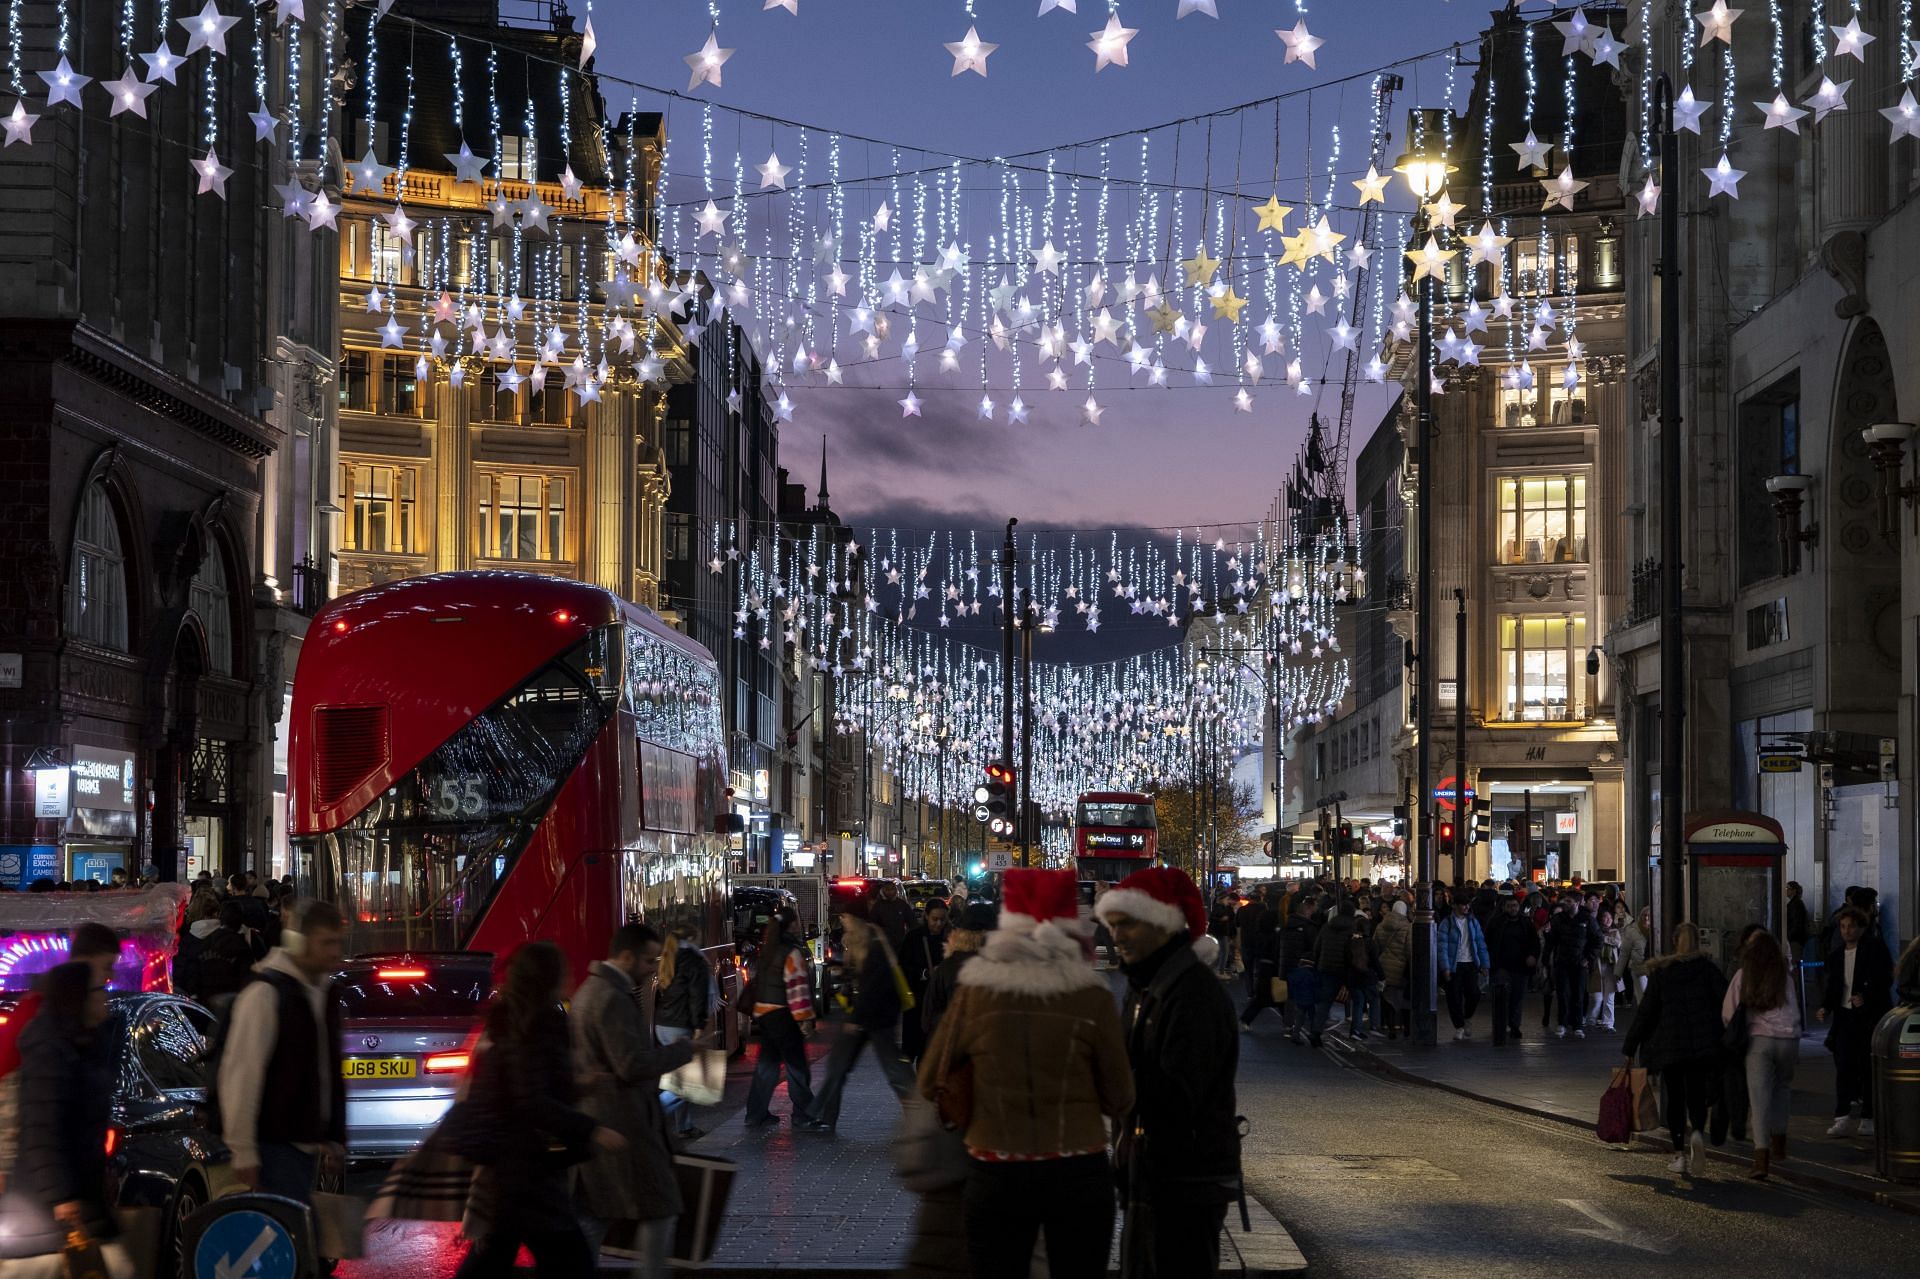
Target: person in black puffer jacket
{"x": 68, "y": 1057}
{"x": 1333, "y": 969}
{"x": 1677, "y": 1032}
{"x": 1299, "y": 938}
{"x": 524, "y": 1087}
{"x": 1572, "y": 940}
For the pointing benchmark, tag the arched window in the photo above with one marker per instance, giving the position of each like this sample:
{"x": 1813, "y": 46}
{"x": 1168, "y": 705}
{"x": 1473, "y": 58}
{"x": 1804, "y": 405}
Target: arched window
{"x": 213, "y": 605}
{"x": 97, "y": 579}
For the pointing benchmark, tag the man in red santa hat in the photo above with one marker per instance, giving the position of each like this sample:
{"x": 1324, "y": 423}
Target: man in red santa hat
{"x": 1179, "y": 1148}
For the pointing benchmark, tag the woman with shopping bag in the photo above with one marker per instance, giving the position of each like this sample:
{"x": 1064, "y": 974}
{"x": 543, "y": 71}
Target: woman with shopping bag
{"x": 880, "y": 992}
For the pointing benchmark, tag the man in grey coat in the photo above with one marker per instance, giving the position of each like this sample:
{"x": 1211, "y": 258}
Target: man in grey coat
{"x": 620, "y": 1065}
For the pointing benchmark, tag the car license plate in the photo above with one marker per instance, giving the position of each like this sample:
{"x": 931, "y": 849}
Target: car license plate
{"x": 377, "y": 1068}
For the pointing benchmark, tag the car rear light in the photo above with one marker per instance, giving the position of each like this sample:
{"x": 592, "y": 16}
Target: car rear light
{"x": 113, "y": 1139}
{"x": 853, "y": 882}
{"x": 400, "y": 974}
{"x": 446, "y": 1063}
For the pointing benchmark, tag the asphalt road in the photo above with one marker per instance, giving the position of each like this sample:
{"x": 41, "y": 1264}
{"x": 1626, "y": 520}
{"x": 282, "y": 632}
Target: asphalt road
{"x": 1374, "y": 1176}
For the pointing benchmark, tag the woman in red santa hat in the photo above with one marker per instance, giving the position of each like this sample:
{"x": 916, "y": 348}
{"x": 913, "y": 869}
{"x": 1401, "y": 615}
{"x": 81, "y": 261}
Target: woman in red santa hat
{"x": 1029, "y": 1063}
{"x": 1179, "y": 1149}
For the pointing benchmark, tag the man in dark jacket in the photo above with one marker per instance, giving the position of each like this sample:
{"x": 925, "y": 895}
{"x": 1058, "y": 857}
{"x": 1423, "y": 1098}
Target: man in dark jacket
{"x": 1513, "y": 952}
{"x": 1857, "y": 993}
{"x": 1246, "y": 922}
{"x": 1573, "y": 939}
{"x": 1333, "y": 965}
{"x": 1179, "y": 1150}
{"x": 893, "y": 914}
{"x": 281, "y": 1095}
{"x": 1299, "y": 940}
{"x": 1799, "y": 923}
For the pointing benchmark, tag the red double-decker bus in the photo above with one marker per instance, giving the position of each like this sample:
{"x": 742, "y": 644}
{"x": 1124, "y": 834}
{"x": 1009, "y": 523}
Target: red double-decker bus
{"x": 1114, "y": 834}
{"x": 478, "y": 760}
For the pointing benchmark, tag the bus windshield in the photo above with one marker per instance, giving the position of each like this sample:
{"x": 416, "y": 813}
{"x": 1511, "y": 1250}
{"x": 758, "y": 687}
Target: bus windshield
{"x": 1124, "y": 816}
{"x": 416, "y": 868}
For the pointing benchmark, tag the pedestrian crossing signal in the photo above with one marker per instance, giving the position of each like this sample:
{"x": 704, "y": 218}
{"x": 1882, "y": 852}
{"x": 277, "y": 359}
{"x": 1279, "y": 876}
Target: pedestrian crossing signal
{"x": 993, "y": 800}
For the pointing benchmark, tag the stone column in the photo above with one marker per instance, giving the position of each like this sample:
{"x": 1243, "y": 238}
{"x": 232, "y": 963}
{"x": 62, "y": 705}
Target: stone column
{"x": 451, "y": 471}
{"x": 608, "y": 510}
{"x": 1849, "y": 147}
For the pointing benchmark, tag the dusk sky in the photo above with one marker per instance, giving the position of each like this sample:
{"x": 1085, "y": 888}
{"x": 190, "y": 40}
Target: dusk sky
{"x": 1160, "y": 457}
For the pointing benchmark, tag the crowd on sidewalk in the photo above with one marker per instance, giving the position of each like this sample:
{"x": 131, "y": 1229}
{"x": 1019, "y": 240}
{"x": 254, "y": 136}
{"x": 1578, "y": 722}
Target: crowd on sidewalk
{"x": 1723, "y": 1046}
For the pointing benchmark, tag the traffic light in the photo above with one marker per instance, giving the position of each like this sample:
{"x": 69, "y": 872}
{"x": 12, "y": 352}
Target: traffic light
{"x": 993, "y": 800}
{"x": 1347, "y": 845}
{"x": 1446, "y": 832}
{"x": 1482, "y": 821}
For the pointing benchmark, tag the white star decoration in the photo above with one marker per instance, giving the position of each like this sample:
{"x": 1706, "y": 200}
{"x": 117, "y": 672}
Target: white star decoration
{"x": 129, "y": 93}
{"x": 64, "y": 84}
{"x": 19, "y": 125}
{"x": 970, "y": 53}
{"x": 1850, "y": 39}
{"x": 213, "y": 174}
{"x": 1905, "y": 117}
{"x": 1301, "y": 43}
{"x": 1109, "y": 44}
{"x": 706, "y": 62}
{"x": 1687, "y": 110}
{"x": 1717, "y": 23}
{"x": 1782, "y": 114}
{"x": 207, "y": 29}
{"x": 1724, "y": 179}
{"x": 1649, "y": 197}
{"x": 773, "y": 173}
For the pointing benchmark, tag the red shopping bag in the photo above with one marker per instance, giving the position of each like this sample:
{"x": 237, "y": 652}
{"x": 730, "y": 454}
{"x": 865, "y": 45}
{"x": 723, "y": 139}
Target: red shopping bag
{"x": 1615, "y": 1126}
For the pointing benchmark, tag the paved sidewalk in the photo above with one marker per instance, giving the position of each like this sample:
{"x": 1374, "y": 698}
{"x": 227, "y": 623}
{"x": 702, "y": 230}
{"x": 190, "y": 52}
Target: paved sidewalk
{"x": 1563, "y": 1079}
{"x": 805, "y": 1203}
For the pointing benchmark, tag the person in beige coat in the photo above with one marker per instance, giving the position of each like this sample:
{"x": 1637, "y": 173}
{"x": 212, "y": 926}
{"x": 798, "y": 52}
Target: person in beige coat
{"x": 619, "y": 1065}
{"x": 1030, "y": 1063}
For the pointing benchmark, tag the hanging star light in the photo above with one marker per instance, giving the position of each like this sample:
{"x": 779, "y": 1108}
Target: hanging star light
{"x": 467, "y": 167}
{"x": 1649, "y": 197}
{"x": 64, "y": 84}
{"x": 1301, "y": 44}
{"x": 705, "y": 63}
{"x": 910, "y": 406}
{"x": 1851, "y": 40}
{"x": 1373, "y": 187}
{"x": 207, "y": 30}
{"x": 1272, "y": 215}
{"x": 1687, "y": 111}
{"x": 773, "y": 173}
{"x": 1109, "y": 44}
{"x": 1724, "y": 179}
{"x": 1828, "y": 98}
{"x": 1444, "y": 210}
{"x": 791, "y": 6}
{"x": 264, "y": 123}
{"x": 369, "y": 175}
{"x": 1717, "y": 23}
{"x": 1488, "y": 246}
{"x": 1905, "y": 117}
{"x": 1429, "y": 259}
{"x": 1199, "y": 267}
{"x": 713, "y": 219}
{"x": 285, "y": 11}
{"x": 1048, "y": 6}
{"x": 1229, "y": 304}
{"x": 213, "y": 174}
{"x": 589, "y": 43}
{"x": 1782, "y": 114}
{"x": 129, "y": 93}
{"x": 1047, "y": 259}
{"x": 1090, "y": 411}
{"x": 1532, "y": 152}
{"x": 19, "y": 125}
{"x": 882, "y": 217}
{"x": 162, "y": 64}
{"x": 1164, "y": 317}
{"x": 1197, "y": 6}
{"x": 970, "y": 53}
{"x": 1562, "y": 189}
{"x": 1242, "y": 402}
{"x": 321, "y": 212}
{"x": 1606, "y": 50}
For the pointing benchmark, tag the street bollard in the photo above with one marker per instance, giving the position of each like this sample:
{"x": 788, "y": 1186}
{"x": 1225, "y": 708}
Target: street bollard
{"x": 249, "y": 1236}
{"x": 1896, "y": 1095}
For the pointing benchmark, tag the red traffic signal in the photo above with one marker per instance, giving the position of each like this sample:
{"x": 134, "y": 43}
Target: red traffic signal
{"x": 1446, "y": 832}
{"x": 994, "y": 799}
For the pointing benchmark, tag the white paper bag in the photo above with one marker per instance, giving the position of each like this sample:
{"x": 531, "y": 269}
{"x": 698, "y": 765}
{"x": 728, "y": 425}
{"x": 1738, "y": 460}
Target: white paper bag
{"x": 702, "y": 1080}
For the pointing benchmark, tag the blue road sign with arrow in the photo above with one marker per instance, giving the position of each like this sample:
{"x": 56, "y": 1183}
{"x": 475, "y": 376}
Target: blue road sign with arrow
{"x": 246, "y": 1245}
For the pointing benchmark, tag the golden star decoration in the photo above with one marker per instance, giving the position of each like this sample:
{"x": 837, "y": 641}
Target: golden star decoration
{"x": 1164, "y": 317}
{"x": 1429, "y": 258}
{"x": 1299, "y": 249}
{"x": 1229, "y": 304}
{"x": 1200, "y": 267}
{"x": 1273, "y": 215}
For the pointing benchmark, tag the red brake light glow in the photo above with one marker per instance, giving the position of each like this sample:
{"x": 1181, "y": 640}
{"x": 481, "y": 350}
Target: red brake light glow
{"x": 853, "y": 881}
{"x": 400, "y": 974}
{"x": 446, "y": 1063}
{"x": 340, "y": 627}
{"x": 113, "y": 1139}
{"x": 562, "y": 616}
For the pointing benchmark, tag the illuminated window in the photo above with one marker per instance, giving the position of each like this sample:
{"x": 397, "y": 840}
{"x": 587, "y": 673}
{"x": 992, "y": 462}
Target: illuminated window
{"x": 381, "y": 504}
{"x": 493, "y": 401}
{"x": 523, "y": 517}
{"x": 1569, "y": 263}
{"x": 1538, "y": 655}
{"x": 97, "y": 585}
{"x": 1543, "y": 519}
{"x": 516, "y": 158}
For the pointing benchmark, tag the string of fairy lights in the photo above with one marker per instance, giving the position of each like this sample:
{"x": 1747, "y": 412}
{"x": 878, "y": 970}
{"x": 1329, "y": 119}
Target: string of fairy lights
{"x": 1173, "y": 257}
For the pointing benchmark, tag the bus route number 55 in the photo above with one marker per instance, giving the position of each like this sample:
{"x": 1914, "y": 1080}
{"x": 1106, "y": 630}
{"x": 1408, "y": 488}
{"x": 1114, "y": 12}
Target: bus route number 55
{"x": 459, "y": 797}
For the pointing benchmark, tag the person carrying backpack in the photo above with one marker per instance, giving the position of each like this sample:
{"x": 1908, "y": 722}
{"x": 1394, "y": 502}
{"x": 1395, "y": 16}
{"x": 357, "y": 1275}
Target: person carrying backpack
{"x": 223, "y": 958}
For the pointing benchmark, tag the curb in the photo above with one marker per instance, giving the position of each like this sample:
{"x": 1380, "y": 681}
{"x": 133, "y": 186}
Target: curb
{"x": 1367, "y": 1059}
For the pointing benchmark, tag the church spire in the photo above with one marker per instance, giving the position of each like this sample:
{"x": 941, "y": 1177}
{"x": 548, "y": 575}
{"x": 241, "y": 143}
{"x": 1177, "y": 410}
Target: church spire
{"x": 823, "y": 473}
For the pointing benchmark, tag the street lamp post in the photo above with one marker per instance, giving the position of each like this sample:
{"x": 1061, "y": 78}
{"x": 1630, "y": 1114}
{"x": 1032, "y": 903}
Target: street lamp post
{"x": 1424, "y": 165}
{"x": 1672, "y": 490}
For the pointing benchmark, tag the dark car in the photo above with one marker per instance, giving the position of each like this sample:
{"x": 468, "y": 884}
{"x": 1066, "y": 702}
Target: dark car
{"x": 409, "y": 1023}
{"x": 919, "y": 892}
{"x": 162, "y": 1141}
